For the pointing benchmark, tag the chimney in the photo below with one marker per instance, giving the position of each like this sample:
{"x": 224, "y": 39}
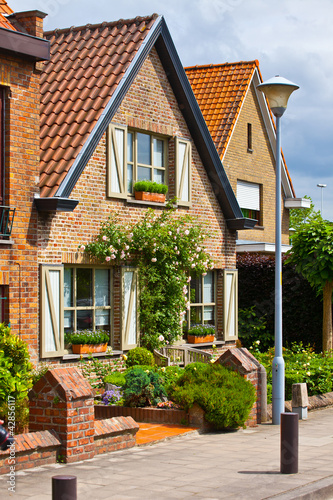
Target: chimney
{"x": 30, "y": 22}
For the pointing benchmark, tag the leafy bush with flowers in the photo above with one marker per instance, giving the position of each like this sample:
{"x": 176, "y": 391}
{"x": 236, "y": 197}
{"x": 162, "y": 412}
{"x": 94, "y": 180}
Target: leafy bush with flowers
{"x": 113, "y": 397}
{"x": 87, "y": 337}
{"x": 302, "y": 364}
{"x": 167, "y": 249}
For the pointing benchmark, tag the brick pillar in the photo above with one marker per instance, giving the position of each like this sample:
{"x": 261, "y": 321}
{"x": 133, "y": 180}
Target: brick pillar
{"x": 63, "y": 401}
{"x": 241, "y": 360}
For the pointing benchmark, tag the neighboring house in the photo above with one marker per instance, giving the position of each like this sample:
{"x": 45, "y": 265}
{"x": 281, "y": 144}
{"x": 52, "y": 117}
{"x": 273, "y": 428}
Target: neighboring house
{"x": 243, "y": 131}
{"x": 109, "y": 92}
{"x": 21, "y": 49}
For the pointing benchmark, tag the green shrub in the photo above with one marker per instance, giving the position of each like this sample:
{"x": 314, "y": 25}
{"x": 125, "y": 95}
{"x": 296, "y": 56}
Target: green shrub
{"x": 139, "y": 356}
{"x": 15, "y": 375}
{"x": 87, "y": 337}
{"x": 169, "y": 376}
{"x": 142, "y": 388}
{"x": 95, "y": 371}
{"x": 252, "y": 327}
{"x": 151, "y": 187}
{"x": 202, "y": 330}
{"x": 225, "y": 396}
{"x": 115, "y": 378}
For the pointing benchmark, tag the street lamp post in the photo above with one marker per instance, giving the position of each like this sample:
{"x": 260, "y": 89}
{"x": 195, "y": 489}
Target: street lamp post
{"x": 277, "y": 91}
{"x": 322, "y": 186}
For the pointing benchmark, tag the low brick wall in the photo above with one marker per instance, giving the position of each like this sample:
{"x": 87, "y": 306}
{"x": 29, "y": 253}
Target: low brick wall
{"x": 149, "y": 415}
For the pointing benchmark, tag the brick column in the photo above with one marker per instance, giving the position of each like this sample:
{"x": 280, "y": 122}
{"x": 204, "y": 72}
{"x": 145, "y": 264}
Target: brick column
{"x": 63, "y": 401}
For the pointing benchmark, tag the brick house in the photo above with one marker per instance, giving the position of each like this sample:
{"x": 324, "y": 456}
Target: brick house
{"x": 22, "y": 47}
{"x": 243, "y": 131}
{"x": 109, "y": 92}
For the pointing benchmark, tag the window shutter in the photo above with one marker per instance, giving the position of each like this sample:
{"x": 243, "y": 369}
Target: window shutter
{"x": 248, "y": 195}
{"x": 183, "y": 157}
{"x": 130, "y": 321}
{"x": 230, "y": 304}
{"x": 52, "y": 311}
{"x": 116, "y": 161}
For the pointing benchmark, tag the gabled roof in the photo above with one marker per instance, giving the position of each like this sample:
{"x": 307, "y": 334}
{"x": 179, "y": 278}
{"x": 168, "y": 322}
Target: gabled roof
{"x": 220, "y": 90}
{"x": 5, "y": 9}
{"x": 90, "y": 71}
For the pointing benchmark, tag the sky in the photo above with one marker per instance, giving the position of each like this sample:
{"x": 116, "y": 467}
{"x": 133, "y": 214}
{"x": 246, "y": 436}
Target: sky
{"x": 290, "y": 38}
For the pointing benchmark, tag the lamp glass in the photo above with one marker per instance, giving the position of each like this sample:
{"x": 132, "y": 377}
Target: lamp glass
{"x": 278, "y": 90}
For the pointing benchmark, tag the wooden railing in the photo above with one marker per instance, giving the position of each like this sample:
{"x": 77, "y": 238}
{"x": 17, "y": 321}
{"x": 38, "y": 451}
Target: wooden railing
{"x": 180, "y": 355}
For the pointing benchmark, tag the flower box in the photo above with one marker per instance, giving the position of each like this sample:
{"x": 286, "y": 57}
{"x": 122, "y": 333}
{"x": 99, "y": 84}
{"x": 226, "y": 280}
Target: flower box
{"x": 88, "y": 348}
{"x": 196, "y": 339}
{"x": 146, "y": 196}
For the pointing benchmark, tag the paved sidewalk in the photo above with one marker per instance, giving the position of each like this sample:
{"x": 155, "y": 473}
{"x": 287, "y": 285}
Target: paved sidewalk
{"x": 235, "y": 465}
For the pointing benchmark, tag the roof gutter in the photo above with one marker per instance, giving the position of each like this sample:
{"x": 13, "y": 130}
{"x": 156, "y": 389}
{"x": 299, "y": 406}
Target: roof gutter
{"x": 22, "y": 44}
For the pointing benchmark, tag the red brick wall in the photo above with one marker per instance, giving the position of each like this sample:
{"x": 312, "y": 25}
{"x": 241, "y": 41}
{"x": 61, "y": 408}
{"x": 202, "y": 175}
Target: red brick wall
{"x": 149, "y": 105}
{"x": 18, "y": 261}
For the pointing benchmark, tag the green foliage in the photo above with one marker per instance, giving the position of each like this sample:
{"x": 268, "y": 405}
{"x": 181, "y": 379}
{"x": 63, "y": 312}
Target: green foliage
{"x": 15, "y": 376}
{"x": 139, "y": 356}
{"x": 151, "y": 187}
{"x": 169, "y": 376}
{"x": 201, "y": 330}
{"x": 95, "y": 371}
{"x": 167, "y": 249}
{"x": 115, "y": 378}
{"x": 252, "y": 327}
{"x": 256, "y": 275}
{"x": 142, "y": 387}
{"x": 225, "y": 396}
{"x": 87, "y": 337}
{"x": 39, "y": 372}
{"x": 302, "y": 364}
{"x": 300, "y": 216}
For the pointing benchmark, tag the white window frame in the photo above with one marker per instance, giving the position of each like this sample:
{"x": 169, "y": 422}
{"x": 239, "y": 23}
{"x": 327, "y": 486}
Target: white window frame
{"x": 183, "y": 171}
{"x": 130, "y": 309}
{"x": 230, "y": 304}
{"x": 249, "y": 197}
{"x": 202, "y": 304}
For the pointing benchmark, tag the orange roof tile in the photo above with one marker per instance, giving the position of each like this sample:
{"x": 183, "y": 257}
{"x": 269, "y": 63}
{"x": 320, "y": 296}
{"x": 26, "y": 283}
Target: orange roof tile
{"x": 4, "y": 23}
{"x": 87, "y": 63}
{"x": 220, "y": 90}
{"x": 4, "y": 8}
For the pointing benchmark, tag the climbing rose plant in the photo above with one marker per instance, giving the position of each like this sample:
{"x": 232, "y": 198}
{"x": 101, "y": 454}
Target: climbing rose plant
{"x": 167, "y": 250}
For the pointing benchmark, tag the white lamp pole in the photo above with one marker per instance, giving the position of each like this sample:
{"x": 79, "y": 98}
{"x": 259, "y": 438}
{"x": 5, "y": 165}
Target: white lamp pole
{"x": 277, "y": 91}
{"x": 322, "y": 186}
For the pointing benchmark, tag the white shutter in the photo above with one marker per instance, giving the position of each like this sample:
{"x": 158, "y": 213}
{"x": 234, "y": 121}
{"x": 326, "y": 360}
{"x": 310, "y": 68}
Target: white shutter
{"x": 130, "y": 321}
{"x": 230, "y": 304}
{"x": 52, "y": 311}
{"x": 116, "y": 161}
{"x": 183, "y": 158}
{"x": 248, "y": 195}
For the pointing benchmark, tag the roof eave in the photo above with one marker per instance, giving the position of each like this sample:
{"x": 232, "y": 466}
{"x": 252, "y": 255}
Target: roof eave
{"x": 25, "y": 45}
{"x": 242, "y": 223}
{"x": 55, "y": 204}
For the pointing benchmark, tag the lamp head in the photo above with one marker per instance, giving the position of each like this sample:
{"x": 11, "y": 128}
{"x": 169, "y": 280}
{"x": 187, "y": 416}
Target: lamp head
{"x": 277, "y": 90}
{"x": 321, "y": 185}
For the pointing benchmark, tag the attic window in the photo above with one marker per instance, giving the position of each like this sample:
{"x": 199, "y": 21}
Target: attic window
{"x": 249, "y": 200}
{"x": 249, "y": 137}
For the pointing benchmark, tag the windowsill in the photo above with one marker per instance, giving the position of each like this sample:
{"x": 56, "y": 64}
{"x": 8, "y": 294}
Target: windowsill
{"x": 6, "y": 242}
{"x": 145, "y": 202}
{"x": 217, "y": 343}
{"x": 260, "y": 228}
{"x": 72, "y": 357}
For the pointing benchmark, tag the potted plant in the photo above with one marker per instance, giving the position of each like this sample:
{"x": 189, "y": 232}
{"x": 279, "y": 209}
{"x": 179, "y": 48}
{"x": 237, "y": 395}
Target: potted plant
{"x": 150, "y": 191}
{"x": 87, "y": 341}
{"x": 198, "y": 334}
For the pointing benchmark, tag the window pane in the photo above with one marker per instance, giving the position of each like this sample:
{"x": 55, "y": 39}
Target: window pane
{"x": 68, "y": 321}
{"x": 208, "y": 294}
{"x": 196, "y": 315}
{"x": 129, "y": 146}
{"x": 83, "y": 287}
{"x": 68, "y": 287}
{"x": 102, "y": 319}
{"x": 129, "y": 178}
{"x": 158, "y": 153}
{"x": 84, "y": 319}
{"x": 144, "y": 174}
{"x": 102, "y": 287}
{"x": 159, "y": 176}
{"x": 144, "y": 153}
{"x": 209, "y": 315}
{"x": 195, "y": 292}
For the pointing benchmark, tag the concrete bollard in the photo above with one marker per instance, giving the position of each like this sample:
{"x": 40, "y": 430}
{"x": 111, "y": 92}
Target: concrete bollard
{"x": 289, "y": 443}
{"x": 300, "y": 400}
{"x": 64, "y": 488}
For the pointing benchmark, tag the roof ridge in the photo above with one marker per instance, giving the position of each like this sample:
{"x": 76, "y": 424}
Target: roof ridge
{"x": 123, "y": 22}
{"x": 253, "y": 62}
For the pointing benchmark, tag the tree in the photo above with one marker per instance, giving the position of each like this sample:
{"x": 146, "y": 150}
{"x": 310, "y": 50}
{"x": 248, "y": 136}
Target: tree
{"x": 312, "y": 254}
{"x": 300, "y": 216}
